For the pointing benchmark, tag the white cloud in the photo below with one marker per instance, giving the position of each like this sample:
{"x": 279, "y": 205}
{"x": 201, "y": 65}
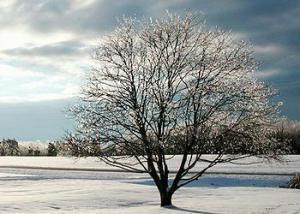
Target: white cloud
{"x": 270, "y": 49}
{"x": 34, "y": 98}
{"x": 71, "y": 89}
{"x": 10, "y": 71}
{"x": 240, "y": 35}
{"x": 20, "y": 36}
{"x": 18, "y": 84}
{"x": 40, "y": 65}
{"x": 267, "y": 73}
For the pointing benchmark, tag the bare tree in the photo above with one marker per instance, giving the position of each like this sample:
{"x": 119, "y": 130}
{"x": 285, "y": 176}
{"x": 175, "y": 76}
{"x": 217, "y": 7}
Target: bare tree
{"x": 173, "y": 85}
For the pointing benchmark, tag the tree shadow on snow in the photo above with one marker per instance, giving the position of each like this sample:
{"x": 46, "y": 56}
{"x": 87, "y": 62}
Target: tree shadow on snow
{"x": 231, "y": 181}
{"x": 188, "y": 210}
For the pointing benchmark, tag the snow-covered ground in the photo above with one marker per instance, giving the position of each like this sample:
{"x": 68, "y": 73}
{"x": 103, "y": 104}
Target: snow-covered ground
{"x": 60, "y": 191}
{"x": 290, "y": 166}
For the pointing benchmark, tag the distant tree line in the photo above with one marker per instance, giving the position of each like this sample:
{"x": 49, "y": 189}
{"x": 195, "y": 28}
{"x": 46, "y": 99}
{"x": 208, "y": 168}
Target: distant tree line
{"x": 286, "y": 138}
{"x": 11, "y": 147}
{"x": 287, "y": 134}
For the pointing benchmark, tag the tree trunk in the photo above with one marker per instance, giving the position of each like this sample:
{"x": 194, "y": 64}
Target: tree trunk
{"x": 165, "y": 198}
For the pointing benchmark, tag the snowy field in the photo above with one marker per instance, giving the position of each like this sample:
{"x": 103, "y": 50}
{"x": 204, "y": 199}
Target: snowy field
{"x": 69, "y": 191}
{"x": 249, "y": 165}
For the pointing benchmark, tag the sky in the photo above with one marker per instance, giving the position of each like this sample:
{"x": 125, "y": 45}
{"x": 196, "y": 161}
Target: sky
{"x": 45, "y": 48}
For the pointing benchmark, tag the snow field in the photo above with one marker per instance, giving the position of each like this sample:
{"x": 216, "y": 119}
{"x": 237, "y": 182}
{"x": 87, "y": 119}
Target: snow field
{"x": 58, "y": 191}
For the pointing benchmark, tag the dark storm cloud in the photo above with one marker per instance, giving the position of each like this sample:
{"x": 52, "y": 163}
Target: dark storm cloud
{"x": 264, "y": 22}
{"x": 64, "y": 15}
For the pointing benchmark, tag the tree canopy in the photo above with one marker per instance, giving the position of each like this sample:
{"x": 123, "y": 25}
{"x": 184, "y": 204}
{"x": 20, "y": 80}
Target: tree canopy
{"x": 173, "y": 84}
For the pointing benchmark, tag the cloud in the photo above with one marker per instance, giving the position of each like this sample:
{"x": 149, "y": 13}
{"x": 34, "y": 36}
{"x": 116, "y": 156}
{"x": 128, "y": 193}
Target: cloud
{"x": 64, "y": 48}
{"x": 34, "y": 98}
{"x": 19, "y": 85}
{"x": 268, "y": 49}
{"x": 45, "y": 44}
{"x": 267, "y": 73}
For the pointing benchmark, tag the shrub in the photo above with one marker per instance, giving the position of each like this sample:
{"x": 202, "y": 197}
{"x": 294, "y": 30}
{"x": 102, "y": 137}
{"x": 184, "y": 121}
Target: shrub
{"x": 9, "y": 147}
{"x": 52, "y": 149}
{"x": 30, "y": 151}
{"x": 295, "y": 182}
{"x": 36, "y": 152}
{"x": 289, "y": 132}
